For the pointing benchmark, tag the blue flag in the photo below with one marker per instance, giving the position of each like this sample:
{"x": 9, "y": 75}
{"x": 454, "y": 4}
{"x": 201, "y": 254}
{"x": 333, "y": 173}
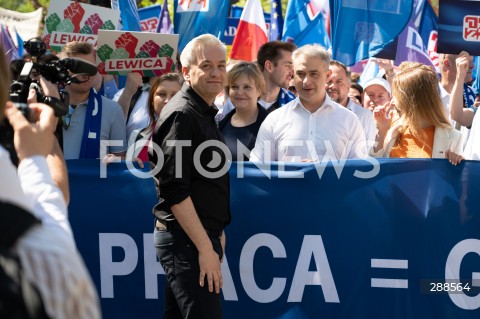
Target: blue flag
{"x": 429, "y": 32}
{"x": 276, "y": 21}
{"x": 164, "y": 23}
{"x": 149, "y": 17}
{"x": 476, "y": 75}
{"x": 128, "y": 14}
{"x": 361, "y": 29}
{"x": 304, "y": 24}
{"x": 193, "y": 18}
{"x": 20, "y": 44}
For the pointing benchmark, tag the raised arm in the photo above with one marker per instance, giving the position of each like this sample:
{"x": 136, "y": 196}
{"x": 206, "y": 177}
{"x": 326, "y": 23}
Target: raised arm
{"x": 463, "y": 116}
{"x": 134, "y": 80}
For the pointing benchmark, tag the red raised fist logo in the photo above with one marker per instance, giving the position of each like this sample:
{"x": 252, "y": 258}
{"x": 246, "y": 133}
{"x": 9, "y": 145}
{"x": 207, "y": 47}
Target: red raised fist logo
{"x": 75, "y": 13}
{"x": 128, "y": 42}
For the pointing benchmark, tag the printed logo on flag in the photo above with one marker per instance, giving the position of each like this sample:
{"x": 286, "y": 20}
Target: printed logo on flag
{"x": 150, "y": 24}
{"x": 193, "y": 5}
{"x": 471, "y": 28}
{"x": 432, "y": 49}
{"x": 364, "y": 32}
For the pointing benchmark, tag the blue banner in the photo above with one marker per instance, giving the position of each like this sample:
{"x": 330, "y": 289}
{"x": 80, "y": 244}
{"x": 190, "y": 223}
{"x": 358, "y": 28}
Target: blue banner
{"x": 193, "y": 18}
{"x": 306, "y": 241}
{"x": 232, "y": 25}
{"x": 230, "y": 30}
{"x": 361, "y": 29}
{"x": 149, "y": 17}
{"x": 458, "y": 26}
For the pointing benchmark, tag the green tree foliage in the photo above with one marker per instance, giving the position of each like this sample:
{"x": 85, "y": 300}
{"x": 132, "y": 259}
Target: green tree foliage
{"x": 24, "y": 5}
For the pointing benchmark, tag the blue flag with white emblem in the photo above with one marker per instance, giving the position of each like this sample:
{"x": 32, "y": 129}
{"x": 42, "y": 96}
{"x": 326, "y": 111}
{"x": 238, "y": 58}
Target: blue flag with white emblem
{"x": 362, "y": 28}
{"x": 193, "y": 18}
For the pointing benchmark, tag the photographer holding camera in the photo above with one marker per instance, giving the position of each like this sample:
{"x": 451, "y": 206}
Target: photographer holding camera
{"x": 34, "y": 224}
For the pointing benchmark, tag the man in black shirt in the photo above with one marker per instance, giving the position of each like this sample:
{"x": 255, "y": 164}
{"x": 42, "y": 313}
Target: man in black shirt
{"x": 193, "y": 186}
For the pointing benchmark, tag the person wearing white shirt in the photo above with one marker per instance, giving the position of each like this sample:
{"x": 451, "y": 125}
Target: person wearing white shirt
{"x": 47, "y": 252}
{"x": 338, "y": 88}
{"x": 135, "y": 92}
{"x": 312, "y": 127}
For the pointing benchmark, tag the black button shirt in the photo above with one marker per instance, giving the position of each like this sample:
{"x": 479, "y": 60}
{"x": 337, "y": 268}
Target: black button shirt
{"x": 189, "y": 119}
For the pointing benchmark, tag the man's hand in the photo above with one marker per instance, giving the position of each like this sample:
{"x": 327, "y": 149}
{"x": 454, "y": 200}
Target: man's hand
{"x": 32, "y": 138}
{"x": 134, "y": 80}
{"x": 209, "y": 262}
{"x": 385, "y": 64}
{"x": 462, "y": 63}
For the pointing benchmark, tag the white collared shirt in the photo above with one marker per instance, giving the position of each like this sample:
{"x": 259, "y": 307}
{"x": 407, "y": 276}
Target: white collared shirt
{"x": 47, "y": 252}
{"x": 139, "y": 117}
{"x": 366, "y": 119}
{"x": 294, "y": 134}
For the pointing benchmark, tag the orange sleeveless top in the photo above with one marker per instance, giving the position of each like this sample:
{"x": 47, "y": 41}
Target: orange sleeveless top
{"x": 411, "y": 147}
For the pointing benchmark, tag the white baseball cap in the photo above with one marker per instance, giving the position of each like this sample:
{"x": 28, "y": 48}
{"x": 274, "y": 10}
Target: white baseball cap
{"x": 379, "y": 81}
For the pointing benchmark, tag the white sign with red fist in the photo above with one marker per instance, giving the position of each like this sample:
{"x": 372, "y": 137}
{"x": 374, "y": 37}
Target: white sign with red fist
{"x": 74, "y": 21}
{"x": 150, "y": 54}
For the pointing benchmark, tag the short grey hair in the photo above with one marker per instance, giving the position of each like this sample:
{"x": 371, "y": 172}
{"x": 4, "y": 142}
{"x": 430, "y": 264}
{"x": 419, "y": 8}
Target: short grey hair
{"x": 312, "y": 51}
{"x": 190, "y": 53}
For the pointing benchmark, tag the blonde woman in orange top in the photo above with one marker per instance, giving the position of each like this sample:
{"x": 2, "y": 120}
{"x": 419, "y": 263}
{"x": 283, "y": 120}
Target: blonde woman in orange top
{"x": 422, "y": 128}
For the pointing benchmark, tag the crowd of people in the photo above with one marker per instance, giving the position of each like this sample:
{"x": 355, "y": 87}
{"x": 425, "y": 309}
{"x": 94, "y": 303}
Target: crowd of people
{"x": 291, "y": 104}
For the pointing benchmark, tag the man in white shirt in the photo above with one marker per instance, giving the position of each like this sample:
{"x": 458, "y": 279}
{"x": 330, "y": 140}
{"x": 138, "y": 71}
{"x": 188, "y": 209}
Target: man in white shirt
{"x": 312, "y": 127}
{"x": 338, "y": 88}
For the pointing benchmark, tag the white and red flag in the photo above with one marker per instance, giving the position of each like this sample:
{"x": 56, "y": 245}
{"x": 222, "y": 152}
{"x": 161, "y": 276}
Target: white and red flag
{"x": 251, "y": 32}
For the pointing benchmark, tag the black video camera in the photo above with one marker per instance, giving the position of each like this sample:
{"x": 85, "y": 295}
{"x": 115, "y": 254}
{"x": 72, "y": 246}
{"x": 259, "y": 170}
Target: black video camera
{"x": 56, "y": 72}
